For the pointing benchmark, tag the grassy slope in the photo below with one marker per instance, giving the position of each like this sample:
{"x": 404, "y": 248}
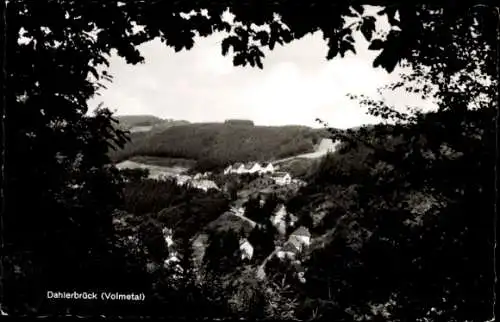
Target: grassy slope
{"x": 220, "y": 143}
{"x": 163, "y": 162}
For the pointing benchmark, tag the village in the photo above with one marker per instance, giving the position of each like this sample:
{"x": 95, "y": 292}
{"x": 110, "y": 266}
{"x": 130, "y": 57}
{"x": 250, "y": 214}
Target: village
{"x": 202, "y": 180}
{"x": 289, "y": 249}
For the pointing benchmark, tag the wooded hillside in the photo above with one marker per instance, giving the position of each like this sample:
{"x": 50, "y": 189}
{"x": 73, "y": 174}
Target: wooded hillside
{"x": 218, "y": 144}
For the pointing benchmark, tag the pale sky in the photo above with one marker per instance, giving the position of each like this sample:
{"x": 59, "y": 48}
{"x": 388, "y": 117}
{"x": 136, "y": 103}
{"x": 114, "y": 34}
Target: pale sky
{"x": 296, "y": 86}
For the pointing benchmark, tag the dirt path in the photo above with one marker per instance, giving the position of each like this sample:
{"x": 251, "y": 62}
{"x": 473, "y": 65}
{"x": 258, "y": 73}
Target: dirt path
{"x": 235, "y": 212}
{"x": 325, "y": 146}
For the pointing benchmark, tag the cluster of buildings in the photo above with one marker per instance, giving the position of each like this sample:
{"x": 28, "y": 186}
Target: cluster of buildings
{"x": 250, "y": 167}
{"x": 297, "y": 242}
{"x": 198, "y": 181}
{"x": 295, "y": 245}
{"x": 280, "y": 178}
{"x": 204, "y": 185}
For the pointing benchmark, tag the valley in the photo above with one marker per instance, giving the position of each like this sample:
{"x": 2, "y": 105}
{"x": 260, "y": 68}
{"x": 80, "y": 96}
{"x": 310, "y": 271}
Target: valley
{"x": 259, "y": 223}
{"x": 263, "y": 186}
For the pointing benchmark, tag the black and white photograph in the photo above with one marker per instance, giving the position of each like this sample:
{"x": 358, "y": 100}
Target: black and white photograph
{"x": 249, "y": 160}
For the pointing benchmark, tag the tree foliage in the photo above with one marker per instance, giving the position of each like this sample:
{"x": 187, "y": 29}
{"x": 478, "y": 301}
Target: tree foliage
{"x": 223, "y": 252}
{"x": 135, "y": 175}
{"x": 414, "y": 217}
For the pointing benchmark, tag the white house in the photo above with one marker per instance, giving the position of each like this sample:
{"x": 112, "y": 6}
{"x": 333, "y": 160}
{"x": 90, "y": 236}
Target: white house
{"x": 167, "y": 235}
{"x": 282, "y": 178}
{"x": 252, "y": 167}
{"x": 182, "y": 179}
{"x": 246, "y": 249}
{"x": 228, "y": 169}
{"x": 238, "y": 167}
{"x": 204, "y": 185}
{"x": 302, "y": 235}
{"x": 288, "y": 251}
{"x": 298, "y": 243}
{"x": 267, "y": 167}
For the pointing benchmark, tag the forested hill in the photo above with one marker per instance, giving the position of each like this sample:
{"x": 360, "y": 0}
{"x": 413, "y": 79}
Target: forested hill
{"x": 217, "y": 144}
{"x": 130, "y": 121}
{"x": 142, "y": 123}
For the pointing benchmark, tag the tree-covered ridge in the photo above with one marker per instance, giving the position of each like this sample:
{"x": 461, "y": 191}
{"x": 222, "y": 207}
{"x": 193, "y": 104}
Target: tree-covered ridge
{"x": 129, "y": 121}
{"x": 146, "y": 123}
{"x": 220, "y": 144}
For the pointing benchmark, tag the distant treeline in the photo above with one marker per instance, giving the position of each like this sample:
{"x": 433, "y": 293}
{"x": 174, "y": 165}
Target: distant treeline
{"x": 129, "y": 122}
{"x": 239, "y": 122}
{"x": 138, "y": 120}
{"x": 214, "y": 145}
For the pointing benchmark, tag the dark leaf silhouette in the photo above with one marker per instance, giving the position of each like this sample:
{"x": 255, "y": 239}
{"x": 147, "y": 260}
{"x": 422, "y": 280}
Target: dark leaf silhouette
{"x": 368, "y": 27}
{"x": 376, "y": 44}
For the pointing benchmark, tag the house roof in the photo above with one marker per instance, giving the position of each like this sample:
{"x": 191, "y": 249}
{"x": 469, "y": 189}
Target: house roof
{"x": 265, "y": 164}
{"x": 279, "y": 207}
{"x": 295, "y": 242}
{"x": 280, "y": 174}
{"x": 237, "y": 165}
{"x": 245, "y": 242}
{"x": 208, "y": 182}
{"x": 289, "y": 248}
{"x": 302, "y": 231}
{"x": 205, "y": 183}
{"x": 250, "y": 165}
